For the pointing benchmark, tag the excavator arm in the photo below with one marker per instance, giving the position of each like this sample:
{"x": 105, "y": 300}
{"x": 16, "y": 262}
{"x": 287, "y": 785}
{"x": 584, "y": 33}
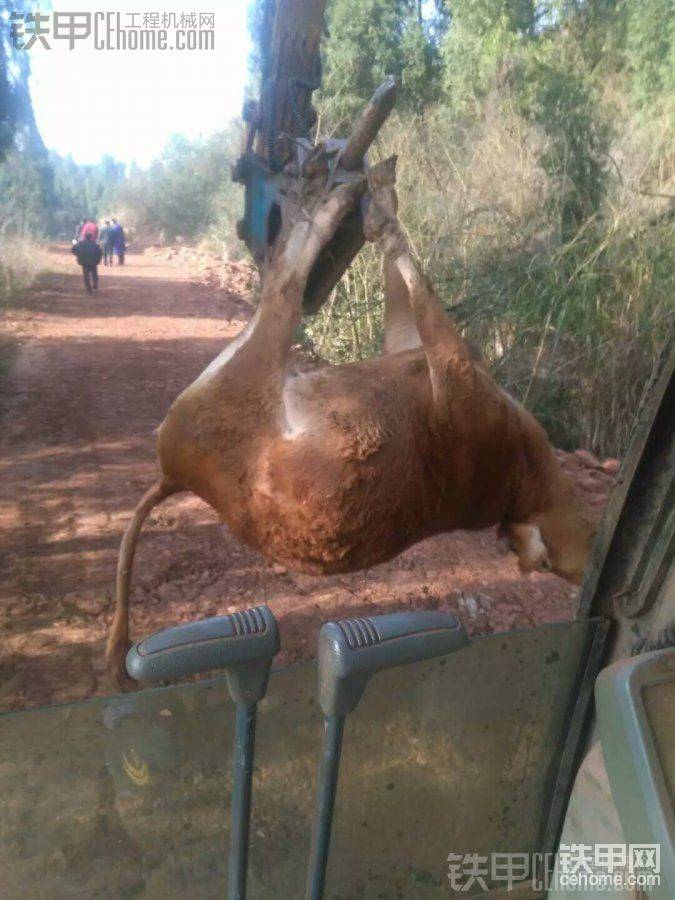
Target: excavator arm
{"x": 279, "y": 143}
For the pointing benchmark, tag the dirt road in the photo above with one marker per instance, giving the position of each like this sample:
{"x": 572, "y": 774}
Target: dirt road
{"x": 90, "y": 378}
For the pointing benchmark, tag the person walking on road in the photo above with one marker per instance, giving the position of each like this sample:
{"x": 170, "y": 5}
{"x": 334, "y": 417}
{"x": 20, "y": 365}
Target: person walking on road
{"x": 119, "y": 242}
{"x": 106, "y": 240}
{"x": 88, "y": 254}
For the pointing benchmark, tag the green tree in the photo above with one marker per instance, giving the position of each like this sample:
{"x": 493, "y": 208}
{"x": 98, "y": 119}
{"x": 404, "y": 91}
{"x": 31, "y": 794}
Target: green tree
{"x": 13, "y": 76}
{"x": 83, "y": 191}
{"x": 650, "y": 49}
{"x": 370, "y": 39}
{"x": 483, "y": 34}
{"x": 27, "y": 198}
{"x": 554, "y": 94}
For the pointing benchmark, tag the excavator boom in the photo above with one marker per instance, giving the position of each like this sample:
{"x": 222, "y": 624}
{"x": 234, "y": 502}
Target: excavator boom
{"x": 279, "y": 142}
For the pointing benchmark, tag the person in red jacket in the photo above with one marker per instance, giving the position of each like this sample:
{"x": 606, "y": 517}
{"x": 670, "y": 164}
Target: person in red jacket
{"x": 89, "y": 230}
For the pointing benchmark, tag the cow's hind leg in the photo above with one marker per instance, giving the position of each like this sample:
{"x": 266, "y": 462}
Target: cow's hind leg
{"x": 444, "y": 346}
{"x": 400, "y": 324}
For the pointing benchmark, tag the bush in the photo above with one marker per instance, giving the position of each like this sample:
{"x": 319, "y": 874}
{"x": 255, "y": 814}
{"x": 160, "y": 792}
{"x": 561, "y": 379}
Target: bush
{"x": 21, "y": 261}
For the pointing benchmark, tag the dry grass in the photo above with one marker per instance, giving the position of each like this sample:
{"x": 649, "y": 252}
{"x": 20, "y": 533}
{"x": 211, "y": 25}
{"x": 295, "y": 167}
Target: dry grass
{"x": 21, "y": 261}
